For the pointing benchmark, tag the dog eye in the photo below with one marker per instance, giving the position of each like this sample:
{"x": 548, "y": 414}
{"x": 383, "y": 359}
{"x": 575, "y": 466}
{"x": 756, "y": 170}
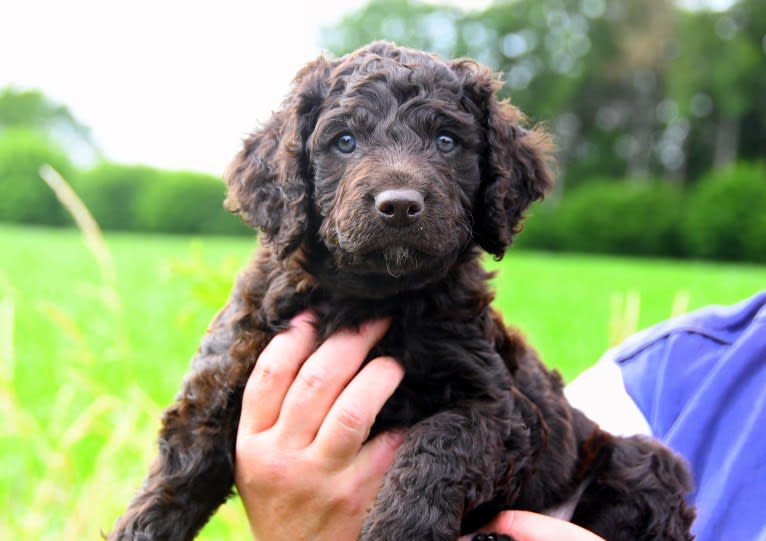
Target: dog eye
{"x": 346, "y": 143}
{"x": 445, "y": 143}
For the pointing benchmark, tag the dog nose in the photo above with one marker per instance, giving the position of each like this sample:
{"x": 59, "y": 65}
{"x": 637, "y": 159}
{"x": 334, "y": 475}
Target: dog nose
{"x": 399, "y": 207}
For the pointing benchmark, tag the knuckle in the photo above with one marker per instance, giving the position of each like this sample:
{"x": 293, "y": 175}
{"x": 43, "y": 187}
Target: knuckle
{"x": 262, "y": 372}
{"x": 264, "y": 375}
{"x": 259, "y": 468}
{"x": 311, "y": 378}
{"x": 266, "y": 371}
{"x": 351, "y": 419}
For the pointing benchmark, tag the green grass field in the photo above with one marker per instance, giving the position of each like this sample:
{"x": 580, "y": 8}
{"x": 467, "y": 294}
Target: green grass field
{"x": 87, "y": 363}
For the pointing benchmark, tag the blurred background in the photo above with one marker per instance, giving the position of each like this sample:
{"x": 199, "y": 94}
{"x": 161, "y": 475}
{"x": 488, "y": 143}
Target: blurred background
{"x": 113, "y": 262}
{"x": 657, "y": 106}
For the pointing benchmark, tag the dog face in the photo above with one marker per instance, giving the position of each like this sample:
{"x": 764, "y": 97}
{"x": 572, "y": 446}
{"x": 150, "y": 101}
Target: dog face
{"x": 394, "y": 161}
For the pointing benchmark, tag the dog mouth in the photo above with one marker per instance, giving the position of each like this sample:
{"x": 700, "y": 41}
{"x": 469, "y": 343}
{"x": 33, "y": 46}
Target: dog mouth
{"x": 396, "y": 258}
{"x": 399, "y": 260}
{"x": 420, "y": 249}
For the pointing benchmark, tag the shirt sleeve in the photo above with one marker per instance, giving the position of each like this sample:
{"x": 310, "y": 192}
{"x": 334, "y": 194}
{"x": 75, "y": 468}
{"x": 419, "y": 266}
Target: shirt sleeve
{"x": 599, "y": 392}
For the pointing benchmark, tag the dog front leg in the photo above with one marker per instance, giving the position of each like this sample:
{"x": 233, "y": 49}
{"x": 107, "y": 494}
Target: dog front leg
{"x": 194, "y": 471}
{"x": 449, "y": 464}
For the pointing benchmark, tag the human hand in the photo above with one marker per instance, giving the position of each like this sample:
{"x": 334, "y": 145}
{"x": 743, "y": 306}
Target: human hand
{"x": 526, "y": 526}
{"x": 303, "y": 468}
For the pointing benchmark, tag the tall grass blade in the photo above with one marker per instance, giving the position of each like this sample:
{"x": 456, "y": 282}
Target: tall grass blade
{"x": 680, "y": 303}
{"x": 6, "y": 342}
{"x": 90, "y": 229}
{"x": 625, "y": 311}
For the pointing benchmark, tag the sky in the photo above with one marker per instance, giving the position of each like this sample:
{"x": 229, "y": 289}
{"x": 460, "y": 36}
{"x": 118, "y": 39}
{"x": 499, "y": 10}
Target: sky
{"x": 167, "y": 83}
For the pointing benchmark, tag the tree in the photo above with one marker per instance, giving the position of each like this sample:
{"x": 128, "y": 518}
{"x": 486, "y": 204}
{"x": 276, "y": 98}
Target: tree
{"x": 31, "y": 110}
{"x": 24, "y": 197}
{"x": 715, "y": 80}
{"x": 628, "y": 88}
{"x": 406, "y": 22}
{"x": 567, "y": 62}
{"x": 752, "y": 18}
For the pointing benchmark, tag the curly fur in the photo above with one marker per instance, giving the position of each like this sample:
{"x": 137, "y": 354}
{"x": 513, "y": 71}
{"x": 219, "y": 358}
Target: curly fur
{"x": 488, "y": 426}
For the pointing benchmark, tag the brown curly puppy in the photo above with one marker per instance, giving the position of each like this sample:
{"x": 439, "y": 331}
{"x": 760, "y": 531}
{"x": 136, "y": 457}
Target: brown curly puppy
{"x": 375, "y": 187}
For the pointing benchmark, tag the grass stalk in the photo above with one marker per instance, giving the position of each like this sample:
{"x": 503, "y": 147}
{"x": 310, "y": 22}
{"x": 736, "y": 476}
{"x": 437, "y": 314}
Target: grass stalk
{"x": 86, "y": 223}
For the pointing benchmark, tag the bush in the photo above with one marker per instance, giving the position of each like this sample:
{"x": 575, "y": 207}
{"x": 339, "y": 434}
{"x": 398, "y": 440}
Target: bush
{"x": 185, "y": 202}
{"x": 140, "y": 198}
{"x": 726, "y": 218}
{"x": 111, "y": 193}
{"x": 621, "y": 217}
{"x": 542, "y": 228}
{"x": 26, "y": 198}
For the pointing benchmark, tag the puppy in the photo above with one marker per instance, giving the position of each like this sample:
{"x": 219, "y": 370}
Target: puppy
{"x": 376, "y": 187}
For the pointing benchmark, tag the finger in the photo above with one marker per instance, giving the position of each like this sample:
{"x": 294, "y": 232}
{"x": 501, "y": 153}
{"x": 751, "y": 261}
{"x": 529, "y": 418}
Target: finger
{"x": 321, "y": 379}
{"x": 273, "y": 373}
{"x": 527, "y": 526}
{"x": 351, "y": 417}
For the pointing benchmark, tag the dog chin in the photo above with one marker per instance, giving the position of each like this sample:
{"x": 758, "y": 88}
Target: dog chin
{"x": 384, "y": 271}
{"x": 401, "y": 260}
{"x": 397, "y": 261}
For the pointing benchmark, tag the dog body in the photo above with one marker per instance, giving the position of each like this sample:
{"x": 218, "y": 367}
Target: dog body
{"x": 376, "y": 187}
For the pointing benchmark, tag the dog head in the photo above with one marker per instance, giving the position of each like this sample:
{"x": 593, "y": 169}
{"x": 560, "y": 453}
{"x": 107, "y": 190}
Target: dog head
{"x": 394, "y": 162}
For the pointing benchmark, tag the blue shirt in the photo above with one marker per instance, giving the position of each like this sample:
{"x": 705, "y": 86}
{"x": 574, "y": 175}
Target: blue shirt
{"x": 698, "y": 382}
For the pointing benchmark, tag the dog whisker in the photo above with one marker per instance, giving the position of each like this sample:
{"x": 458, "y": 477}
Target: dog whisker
{"x": 397, "y": 257}
{"x": 466, "y": 226}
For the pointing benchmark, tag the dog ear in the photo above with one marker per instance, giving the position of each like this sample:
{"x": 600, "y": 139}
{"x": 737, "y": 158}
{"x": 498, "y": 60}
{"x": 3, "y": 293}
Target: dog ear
{"x": 269, "y": 181}
{"x": 515, "y": 170}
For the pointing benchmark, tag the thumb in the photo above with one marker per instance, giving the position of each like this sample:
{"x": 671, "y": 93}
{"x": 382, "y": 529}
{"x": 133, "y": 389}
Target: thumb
{"x": 370, "y": 465}
{"x": 377, "y": 455}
